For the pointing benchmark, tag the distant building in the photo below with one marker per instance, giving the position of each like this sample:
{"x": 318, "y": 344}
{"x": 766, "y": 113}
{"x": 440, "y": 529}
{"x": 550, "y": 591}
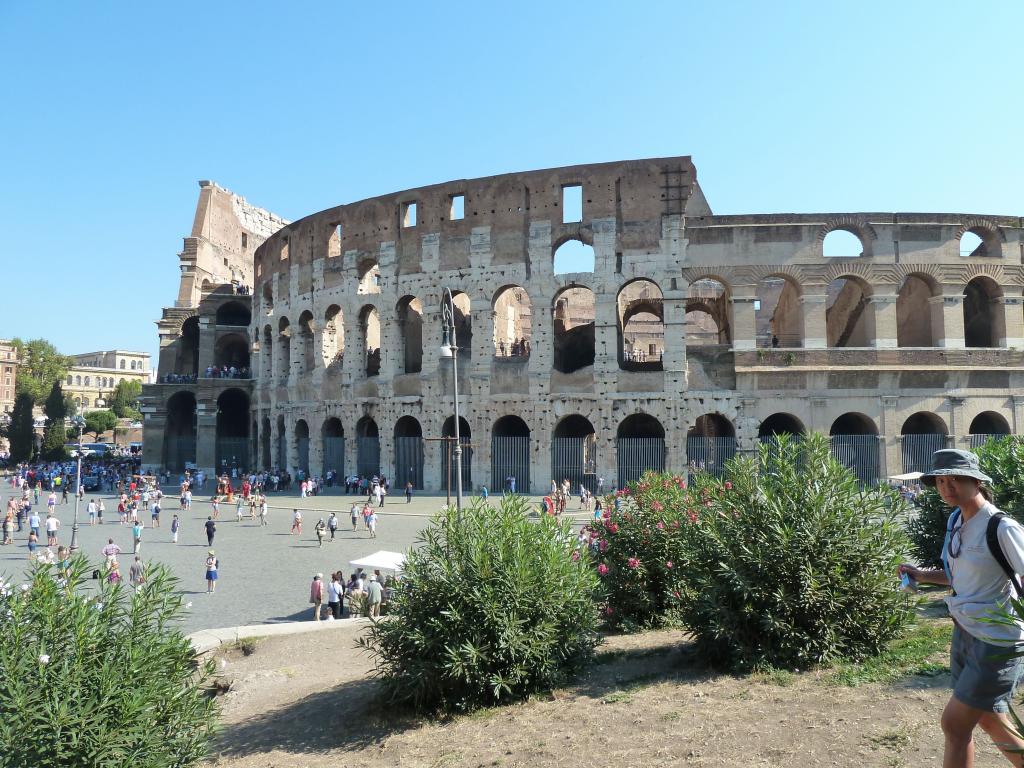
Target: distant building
{"x": 8, "y": 375}
{"x": 91, "y": 380}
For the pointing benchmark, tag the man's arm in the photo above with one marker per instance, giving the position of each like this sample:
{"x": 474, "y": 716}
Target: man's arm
{"x": 925, "y": 575}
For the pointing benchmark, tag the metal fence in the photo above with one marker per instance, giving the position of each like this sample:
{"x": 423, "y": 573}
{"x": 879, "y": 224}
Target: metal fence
{"x": 334, "y": 455}
{"x": 510, "y": 457}
{"x": 408, "y": 463}
{"x": 918, "y": 450}
{"x": 636, "y": 455}
{"x": 709, "y": 453}
{"x": 282, "y": 452}
{"x": 859, "y": 453}
{"x": 448, "y": 463}
{"x": 367, "y": 456}
{"x": 575, "y": 459}
{"x": 979, "y": 440}
{"x": 180, "y": 451}
{"x": 232, "y": 452}
{"x": 302, "y": 453}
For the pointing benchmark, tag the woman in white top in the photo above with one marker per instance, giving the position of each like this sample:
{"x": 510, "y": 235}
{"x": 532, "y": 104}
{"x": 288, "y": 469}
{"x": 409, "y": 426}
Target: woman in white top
{"x": 985, "y": 673}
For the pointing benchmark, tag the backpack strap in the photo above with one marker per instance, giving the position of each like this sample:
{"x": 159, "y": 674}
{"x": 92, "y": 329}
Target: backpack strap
{"x": 950, "y": 526}
{"x": 992, "y": 538}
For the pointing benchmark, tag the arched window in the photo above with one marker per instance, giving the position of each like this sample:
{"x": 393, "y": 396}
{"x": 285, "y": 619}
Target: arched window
{"x": 369, "y": 328}
{"x": 849, "y": 315}
{"x": 408, "y": 453}
{"x": 918, "y": 318}
{"x": 984, "y": 321}
{"x": 369, "y": 277}
{"x": 87, "y": 380}
{"x": 842, "y": 243}
{"x": 574, "y": 453}
{"x": 708, "y": 314}
{"x": 70, "y": 380}
{"x": 284, "y": 348}
{"x": 641, "y": 326}
{"x": 572, "y": 318}
{"x": 573, "y": 256}
{"x": 778, "y": 313}
{"x": 78, "y": 381}
{"x": 306, "y": 338}
{"x": 410, "y": 326}
{"x": 133, "y": 365}
{"x": 513, "y": 322}
{"x": 333, "y": 338}
{"x": 122, "y": 364}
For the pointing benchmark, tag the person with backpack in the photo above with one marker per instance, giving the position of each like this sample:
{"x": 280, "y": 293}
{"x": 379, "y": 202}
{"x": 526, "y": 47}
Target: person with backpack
{"x": 212, "y": 567}
{"x": 982, "y": 554}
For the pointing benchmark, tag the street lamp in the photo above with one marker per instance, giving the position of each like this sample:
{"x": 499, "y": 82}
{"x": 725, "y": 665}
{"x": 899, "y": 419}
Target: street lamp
{"x": 450, "y": 349}
{"x": 78, "y": 422}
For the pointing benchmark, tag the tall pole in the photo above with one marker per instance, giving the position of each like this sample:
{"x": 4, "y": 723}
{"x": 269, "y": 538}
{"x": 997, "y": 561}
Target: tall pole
{"x": 78, "y": 486}
{"x": 448, "y": 316}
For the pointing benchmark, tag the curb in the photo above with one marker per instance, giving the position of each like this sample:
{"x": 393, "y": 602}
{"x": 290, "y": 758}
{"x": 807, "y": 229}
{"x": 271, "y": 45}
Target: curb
{"x": 206, "y": 640}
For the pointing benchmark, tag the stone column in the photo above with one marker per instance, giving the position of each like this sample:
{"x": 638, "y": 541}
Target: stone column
{"x": 206, "y": 437}
{"x": 744, "y": 318}
{"x": 291, "y": 443}
{"x": 606, "y": 341}
{"x": 815, "y": 325}
{"x": 957, "y": 429}
{"x": 542, "y": 354}
{"x": 891, "y": 449}
{"x": 883, "y": 309}
{"x": 1017, "y": 402}
{"x": 1013, "y": 318}
{"x": 949, "y": 310}
{"x": 207, "y": 341}
{"x": 674, "y": 359}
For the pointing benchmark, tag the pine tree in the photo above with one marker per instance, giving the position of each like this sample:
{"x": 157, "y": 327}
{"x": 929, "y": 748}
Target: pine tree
{"x": 21, "y": 430}
{"x": 55, "y": 435}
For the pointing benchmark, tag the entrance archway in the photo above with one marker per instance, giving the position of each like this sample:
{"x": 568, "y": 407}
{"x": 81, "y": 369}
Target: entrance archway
{"x": 367, "y": 448}
{"x": 710, "y": 443}
{"x": 641, "y": 326}
{"x": 232, "y": 446}
{"x": 984, "y": 322}
{"x": 302, "y": 446}
{"x": 572, "y": 320}
{"x": 640, "y": 447}
{"x": 408, "y": 454}
{"x": 332, "y": 435}
{"x": 854, "y": 441}
{"x": 510, "y": 455}
{"x": 923, "y": 434}
{"x": 180, "y": 432}
{"x": 574, "y": 453}
{"x": 465, "y": 440}
{"x": 986, "y": 426}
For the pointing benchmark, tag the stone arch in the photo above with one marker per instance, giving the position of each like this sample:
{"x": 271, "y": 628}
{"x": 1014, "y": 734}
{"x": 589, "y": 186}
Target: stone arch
{"x": 641, "y": 325}
{"x": 284, "y": 348}
{"x": 370, "y": 337}
{"x": 778, "y": 311}
{"x": 466, "y": 440}
{"x": 988, "y": 242}
{"x": 268, "y": 297}
{"x": 640, "y": 447}
{"x": 710, "y": 443}
{"x": 513, "y": 321}
{"x": 780, "y": 424}
{"x": 368, "y": 274}
{"x": 232, "y": 351}
{"x": 301, "y": 432}
{"x": 332, "y": 342}
{"x": 853, "y": 423}
{"x": 367, "y": 447}
{"x": 986, "y": 425}
{"x": 307, "y": 337}
{"x": 186, "y": 362}
{"x": 233, "y": 313}
{"x": 281, "y": 458}
{"x": 918, "y": 317}
{"x": 849, "y": 314}
{"x": 410, "y": 326}
{"x": 708, "y": 313}
{"x": 572, "y": 321}
{"x": 922, "y": 434}
{"x": 463, "y": 320}
{"x": 232, "y": 431}
{"x": 510, "y": 454}
{"x": 332, "y": 439}
{"x": 574, "y": 452}
{"x": 572, "y": 254}
{"x": 265, "y": 455}
{"x": 854, "y": 441}
{"x": 408, "y": 447}
{"x": 984, "y": 320}
{"x": 854, "y": 225}
{"x": 180, "y": 431}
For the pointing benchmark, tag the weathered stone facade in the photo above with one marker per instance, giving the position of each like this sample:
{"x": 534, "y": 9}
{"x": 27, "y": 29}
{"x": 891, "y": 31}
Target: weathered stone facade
{"x": 908, "y": 338}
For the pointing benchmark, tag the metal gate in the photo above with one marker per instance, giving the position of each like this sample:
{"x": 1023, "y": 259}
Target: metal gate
{"x": 709, "y": 454}
{"x": 302, "y": 454}
{"x": 408, "y": 463}
{"x": 575, "y": 459}
{"x": 232, "y": 452}
{"x": 979, "y": 440}
{"x": 510, "y": 457}
{"x": 368, "y": 456}
{"x": 637, "y": 455}
{"x": 180, "y": 451}
{"x": 858, "y": 453}
{"x": 334, "y": 455}
{"x": 282, "y": 453}
{"x": 918, "y": 450}
{"x": 467, "y": 463}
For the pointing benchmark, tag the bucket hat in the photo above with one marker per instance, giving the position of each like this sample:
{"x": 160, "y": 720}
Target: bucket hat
{"x": 952, "y": 461}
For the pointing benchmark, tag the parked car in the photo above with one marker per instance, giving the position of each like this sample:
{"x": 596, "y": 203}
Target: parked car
{"x": 91, "y": 482}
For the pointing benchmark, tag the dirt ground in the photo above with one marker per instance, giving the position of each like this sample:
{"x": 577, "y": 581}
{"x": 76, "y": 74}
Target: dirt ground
{"x": 306, "y": 700}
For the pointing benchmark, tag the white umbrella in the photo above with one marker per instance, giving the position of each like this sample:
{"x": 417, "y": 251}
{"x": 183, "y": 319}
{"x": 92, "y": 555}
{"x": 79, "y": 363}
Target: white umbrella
{"x": 381, "y": 560}
{"x": 906, "y": 476}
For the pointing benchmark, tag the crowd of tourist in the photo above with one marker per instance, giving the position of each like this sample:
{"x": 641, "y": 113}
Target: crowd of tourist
{"x": 227, "y": 372}
{"x": 515, "y": 348}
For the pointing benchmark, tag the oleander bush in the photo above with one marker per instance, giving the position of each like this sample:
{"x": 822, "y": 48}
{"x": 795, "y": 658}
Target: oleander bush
{"x": 492, "y": 607}
{"x": 99, "y": 677}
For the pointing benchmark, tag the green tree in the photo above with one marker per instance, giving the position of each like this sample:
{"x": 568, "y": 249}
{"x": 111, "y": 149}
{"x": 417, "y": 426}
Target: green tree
{"x": 125, "y": 400}
{"x": 39, "y": 366}
{"x": 55, "y": 434}
{"x": 98, "y": 422}
{"x": 21, "y": 430}
{"x": 106, "y": 668}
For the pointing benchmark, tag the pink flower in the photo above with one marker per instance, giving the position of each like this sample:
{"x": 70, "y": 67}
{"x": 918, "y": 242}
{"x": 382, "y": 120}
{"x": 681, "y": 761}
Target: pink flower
{"x": 668, "y": 564}
{"x": 692, "y": 516}
{"x": 608, "y": 610}
{"x": 602, "y": 545}
{"x": 680, "y": 482}
{"x": 657, "y": 506}
{"x": 575, "y": 555}
{"x": 660, "y": 526}
{"x": 676, "y": 594}
{"x": 613, "y": 527}
{"x": 607, "y": 514}
{"x": 633, "y": 562}
{"x": 728, "y": 485}
{"x": 602, "y": 569}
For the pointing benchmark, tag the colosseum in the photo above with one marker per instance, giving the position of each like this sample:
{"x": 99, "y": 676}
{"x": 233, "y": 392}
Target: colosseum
{"x": 606, "y": 321}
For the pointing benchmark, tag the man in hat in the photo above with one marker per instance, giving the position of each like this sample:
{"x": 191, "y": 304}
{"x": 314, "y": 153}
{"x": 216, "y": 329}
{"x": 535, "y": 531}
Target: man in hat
{"x": 984, "y": 668}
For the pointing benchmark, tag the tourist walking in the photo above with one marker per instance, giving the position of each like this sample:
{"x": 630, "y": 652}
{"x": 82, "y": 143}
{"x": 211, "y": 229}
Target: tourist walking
{"x": 408, "y": 492}
{"x": 100, "y": 509}
{"x": 175, "y": 527}
{"x": 321, "y": 531}
{"x": 374, "y": 595}
{"x": 212, "y": 567}
{"x": 263, "y": 511}
{"x": 52, "y": 524}
{"x": 981, "y": 555}
{"x": 296, "y": 522}
{"x": 354, "y": 512}
{"x": 316, "y": 595}
{"x": 211, "y": 530}
{"x": 110, "y": 551}
{"x": 335, "y": 594}
{"x": 136, "y": 573}
{"x": 371, "y": 524}
{"x": 332, "y": 524}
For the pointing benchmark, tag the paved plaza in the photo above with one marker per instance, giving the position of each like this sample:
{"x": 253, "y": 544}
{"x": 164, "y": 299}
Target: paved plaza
{"x": 265, "y": 572}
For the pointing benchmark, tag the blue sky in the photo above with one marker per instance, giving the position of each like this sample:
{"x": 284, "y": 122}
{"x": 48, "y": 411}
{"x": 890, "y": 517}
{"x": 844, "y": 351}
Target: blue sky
{"x": 112, "y": 111}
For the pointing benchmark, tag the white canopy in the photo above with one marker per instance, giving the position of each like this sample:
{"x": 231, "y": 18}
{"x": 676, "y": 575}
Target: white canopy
{"x": 381, "y": 560}
{"x": 906, "y": 476}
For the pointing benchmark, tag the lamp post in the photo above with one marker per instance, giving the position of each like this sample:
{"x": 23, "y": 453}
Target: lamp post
{"x": 79, "y": 422}
{"x": 450, "y": 349}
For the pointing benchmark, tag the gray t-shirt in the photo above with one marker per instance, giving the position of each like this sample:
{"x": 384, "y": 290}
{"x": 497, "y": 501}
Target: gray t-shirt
{"x": 375, "y": 591}
{"x": 982, "y": 589}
